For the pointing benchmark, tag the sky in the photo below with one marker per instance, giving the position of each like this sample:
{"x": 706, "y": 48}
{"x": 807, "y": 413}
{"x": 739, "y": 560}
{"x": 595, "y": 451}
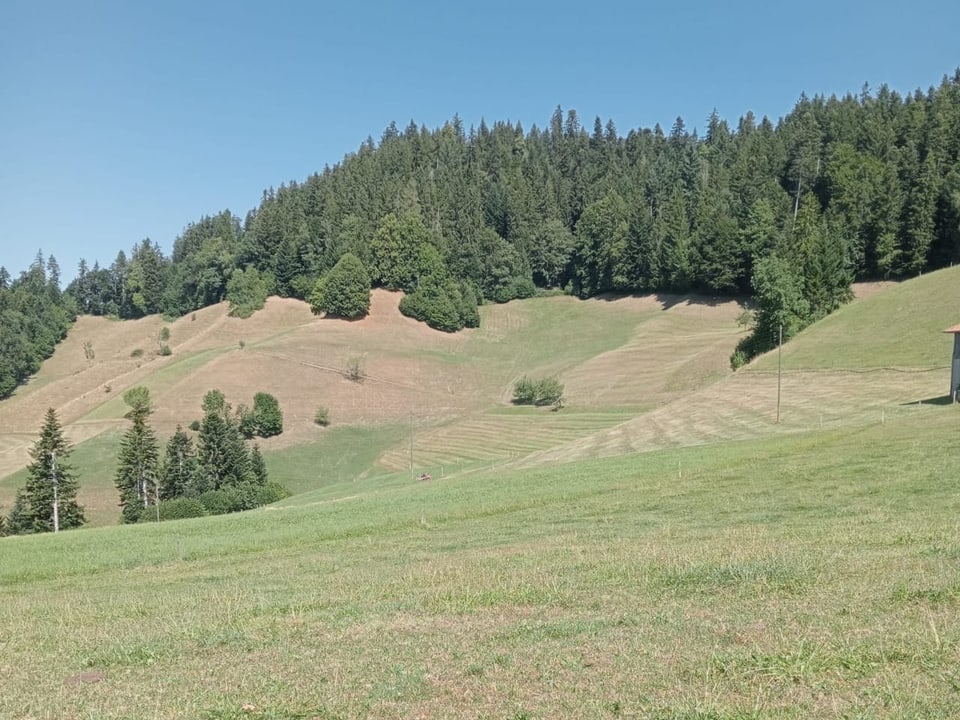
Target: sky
{"x": 126, "y": 120}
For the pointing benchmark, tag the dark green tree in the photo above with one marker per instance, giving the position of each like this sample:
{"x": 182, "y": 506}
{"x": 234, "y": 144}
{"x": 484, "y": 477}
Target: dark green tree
{"x": 551, "y": 252}
{"x": 50, "y": 494}
{"x": 145, "y": 280}
{"x": 781, "y": 305}
{"x": 267, "y": 416}
{"x": 344, "y": 291}
{"x": 395, "y": 249}
{"x": 601, "y": 246}
{"x": 258, "y": 467}
{"x": 19, "y": 522}
{"x": 180, "y": 473}
{"x": 138, "y": 469}
{"x": 246, "y": 292}
{"x": 222, "y": 455}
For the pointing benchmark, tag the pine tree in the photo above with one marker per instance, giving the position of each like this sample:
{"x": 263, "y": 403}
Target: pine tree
{"x": 179, "y": 475}
{"x": 137, "y": 477}
{"x": 49, "y": 496}
{"x": 223, "y": 457}
{"x": 18, "y": 523}
{"x": 257, "y": 466}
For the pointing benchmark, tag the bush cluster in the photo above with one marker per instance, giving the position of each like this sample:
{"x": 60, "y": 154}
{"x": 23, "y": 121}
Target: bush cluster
{"x": 545, "y": 391}
{"x": 443, "y": 304}
{"x": 241, "y": 497}
{"x": 174, "y": 509}
{"x": 216, "y": 502}
{"x": 265, "y": 420}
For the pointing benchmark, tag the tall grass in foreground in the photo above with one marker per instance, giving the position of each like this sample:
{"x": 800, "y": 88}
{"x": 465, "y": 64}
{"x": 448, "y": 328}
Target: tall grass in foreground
{"x": 810, "y": 576}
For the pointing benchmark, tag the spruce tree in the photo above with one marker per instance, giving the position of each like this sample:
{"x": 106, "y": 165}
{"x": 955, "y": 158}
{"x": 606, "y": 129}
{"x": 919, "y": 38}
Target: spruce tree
{"x": 179, "y": 475}
{"x": 257, "y": 466}
{"x": 137, "y": 477}
{"x": 49, "y": 498}
{"x": 223, "y": 457}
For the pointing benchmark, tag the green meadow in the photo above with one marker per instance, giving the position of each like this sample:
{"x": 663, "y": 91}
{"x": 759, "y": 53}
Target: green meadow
{"x": 810, "y": 576}
{"x": 715, "y": 565}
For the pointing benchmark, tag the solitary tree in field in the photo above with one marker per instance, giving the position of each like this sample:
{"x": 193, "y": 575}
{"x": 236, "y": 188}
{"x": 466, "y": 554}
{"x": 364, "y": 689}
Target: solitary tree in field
{"x": 137, "y": 477}
{"x": 49, "y": 498}
{"x": 267, "y": 415}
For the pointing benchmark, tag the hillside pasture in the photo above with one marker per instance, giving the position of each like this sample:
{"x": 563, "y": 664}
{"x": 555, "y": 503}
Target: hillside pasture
{"x": 613, "y": 353}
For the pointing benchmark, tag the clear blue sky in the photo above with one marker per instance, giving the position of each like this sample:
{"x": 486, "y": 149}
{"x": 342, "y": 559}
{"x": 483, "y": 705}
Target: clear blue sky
{"x": 125, "y": 120}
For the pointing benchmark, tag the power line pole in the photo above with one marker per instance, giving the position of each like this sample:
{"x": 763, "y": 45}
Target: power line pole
{"x": 779, "y": 366}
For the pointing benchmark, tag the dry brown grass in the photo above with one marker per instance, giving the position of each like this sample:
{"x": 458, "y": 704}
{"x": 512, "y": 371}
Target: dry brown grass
{"x": 617, "y": 356}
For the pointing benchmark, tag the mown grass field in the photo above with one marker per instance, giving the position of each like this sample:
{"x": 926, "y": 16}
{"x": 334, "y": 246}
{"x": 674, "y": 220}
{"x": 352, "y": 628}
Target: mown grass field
{"x": 617, "y": 357}
{"x": 900, "y": 327}
{"x": 661, "y": 548}
{"x": 816, "y": 575}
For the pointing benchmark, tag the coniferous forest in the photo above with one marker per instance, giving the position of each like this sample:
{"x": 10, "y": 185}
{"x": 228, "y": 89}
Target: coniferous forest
{"x": 860, "y": 187}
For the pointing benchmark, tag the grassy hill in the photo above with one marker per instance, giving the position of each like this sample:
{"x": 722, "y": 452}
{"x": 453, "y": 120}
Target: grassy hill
{"x": 451, "y": 392}
{"x": 899, "y": 327}
{"x": 875, "y": 358}
{"x": 796, "y": 577}
{"x": 738, "y": 568}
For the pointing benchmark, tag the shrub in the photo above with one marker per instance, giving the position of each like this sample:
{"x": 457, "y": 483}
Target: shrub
{"x": 343, "y": 292}
{"x": 165, "y": 350}
{"x": 164, "y": 334}
{"x": 546, "y": 391}
{"x": 174, "y": 509}
{"x": 264, "y": 420}
{"x": 246, "y": 422}
{"x": 738, "y": 359}
{"x": 267, "y": 416}
{"x": 137, "y": 353}
{"x": 355, "y": 371}
{"x": 88, "y": 351}
{"x": 443, "y": 304}
{"x": 269, "y": 493}
{"x": 322, "y": 417}
{"x": 223, "y": 501}
{"x": 195, "y": 426}
{"x": 241, "y": 497}
{"x": 549, "y": 391}
{"x": 525, "y": 391}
